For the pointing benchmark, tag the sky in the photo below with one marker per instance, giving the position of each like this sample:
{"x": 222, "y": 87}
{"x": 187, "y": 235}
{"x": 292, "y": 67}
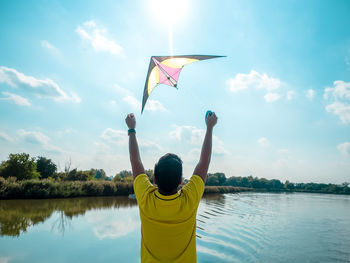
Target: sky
{"x": 70, "y": 72}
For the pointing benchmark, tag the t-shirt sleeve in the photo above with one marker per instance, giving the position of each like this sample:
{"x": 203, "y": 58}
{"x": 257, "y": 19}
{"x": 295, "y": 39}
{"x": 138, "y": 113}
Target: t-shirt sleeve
{"x": 142, "y": 186}
{"x": 194, "y": 188}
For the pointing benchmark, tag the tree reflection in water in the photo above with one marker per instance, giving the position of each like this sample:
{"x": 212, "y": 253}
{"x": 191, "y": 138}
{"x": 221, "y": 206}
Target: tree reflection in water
{"x": 16, "y": 216}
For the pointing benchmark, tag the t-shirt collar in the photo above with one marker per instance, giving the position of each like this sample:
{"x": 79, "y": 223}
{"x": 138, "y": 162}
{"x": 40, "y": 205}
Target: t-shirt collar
{"x": 167, "y": 197}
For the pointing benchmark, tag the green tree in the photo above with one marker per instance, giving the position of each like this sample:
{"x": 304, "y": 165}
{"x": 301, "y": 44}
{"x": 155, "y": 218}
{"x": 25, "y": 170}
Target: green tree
{"x": 221, "y": 178}
{"x": 212, "y": 179}
{"x": 150, "y": 174}
{"x": 98, "y": 174}
{"x": 45, "y": 167}
{"x": 75, "y": 175}
{"x": 123, "y": 176}
{"x": 19, "y": 165}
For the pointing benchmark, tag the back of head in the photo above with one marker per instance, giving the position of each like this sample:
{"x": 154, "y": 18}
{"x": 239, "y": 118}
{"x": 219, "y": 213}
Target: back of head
{"x": 168, "y": 172}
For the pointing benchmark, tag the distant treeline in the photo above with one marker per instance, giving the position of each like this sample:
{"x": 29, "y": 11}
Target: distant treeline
{"x": 22, "y": 176}
{"x": 274, "y": 185}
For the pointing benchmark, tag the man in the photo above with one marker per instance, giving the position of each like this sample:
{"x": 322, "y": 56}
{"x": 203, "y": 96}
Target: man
{"x": 168, "y": 216}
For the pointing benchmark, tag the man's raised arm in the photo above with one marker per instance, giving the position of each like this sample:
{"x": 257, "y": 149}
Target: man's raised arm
{"x": 203, "y": 164}
{"x": 135, "y": 159}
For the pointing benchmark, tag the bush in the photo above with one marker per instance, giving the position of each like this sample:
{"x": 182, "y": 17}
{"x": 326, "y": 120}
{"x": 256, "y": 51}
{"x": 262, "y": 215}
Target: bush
{"x": 92, "y": 188}
{"x": 124, "y": 188}
{"x": 109, "y": 188}
{"x": 20, "y": 166}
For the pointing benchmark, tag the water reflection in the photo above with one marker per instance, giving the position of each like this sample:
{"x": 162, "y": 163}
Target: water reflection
{"x": 249, "y": 227}
{"x": 16, "y": 216}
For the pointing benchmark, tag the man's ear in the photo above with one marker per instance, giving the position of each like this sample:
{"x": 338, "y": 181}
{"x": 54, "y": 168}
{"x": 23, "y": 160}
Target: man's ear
{"x": 154, "y": 180}
{"x": 182, "y": 180}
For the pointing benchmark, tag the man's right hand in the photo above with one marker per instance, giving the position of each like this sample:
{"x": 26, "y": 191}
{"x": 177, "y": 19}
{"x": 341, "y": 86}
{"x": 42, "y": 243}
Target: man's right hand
{"x": 131, "y": 121}
{"x": 211, "y": 120}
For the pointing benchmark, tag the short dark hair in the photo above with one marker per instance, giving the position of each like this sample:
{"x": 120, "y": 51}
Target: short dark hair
{"x": 168, "y": 172}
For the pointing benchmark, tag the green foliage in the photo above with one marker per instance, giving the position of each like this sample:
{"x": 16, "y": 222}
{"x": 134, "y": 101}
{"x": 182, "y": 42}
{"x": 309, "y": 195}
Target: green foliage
{"x": 75, "y": 175}
{"x": 93, "y": 188}
{"x": 52, "y": 189}
{"x": 20, "y": 166}
{"x": 18, "y": 216}
{"x": 20, "y": 174}
{"x": 123, "y": 176}
{"x": 98, "y": 174}
{"x": 223, "y": 189}
{"x": 45, "y": 167}
{"x": 150, "y": 174}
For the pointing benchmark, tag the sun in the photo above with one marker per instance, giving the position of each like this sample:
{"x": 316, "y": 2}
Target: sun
{"x": 170, "y": 12}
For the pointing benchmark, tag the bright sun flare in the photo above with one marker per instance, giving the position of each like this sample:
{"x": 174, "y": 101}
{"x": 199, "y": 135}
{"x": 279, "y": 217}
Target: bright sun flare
{"x": 170, "y": 12}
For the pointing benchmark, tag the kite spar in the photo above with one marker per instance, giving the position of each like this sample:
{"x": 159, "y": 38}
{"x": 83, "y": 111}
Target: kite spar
{"x": 166, "y": 70}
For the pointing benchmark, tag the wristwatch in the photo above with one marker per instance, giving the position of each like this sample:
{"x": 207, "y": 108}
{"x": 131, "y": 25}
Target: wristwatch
{"x": 131, "y": 131}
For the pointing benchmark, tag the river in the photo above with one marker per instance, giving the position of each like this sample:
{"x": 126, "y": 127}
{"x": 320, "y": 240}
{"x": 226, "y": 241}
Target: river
{"x": 247, "y": 227}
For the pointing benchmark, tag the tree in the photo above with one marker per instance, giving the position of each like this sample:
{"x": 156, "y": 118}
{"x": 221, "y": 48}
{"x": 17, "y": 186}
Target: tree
{"x": 19, "y": 165}
{"x": 123, "y": 176}
{"x": 212, "y": 179}
{"x": 221, "y": 178}
{"x": 150, "y": 174}
{"x": 45, "y": 167}
{"x": 98, "y": 174}
{"x": 289, "y": 186}
{"x": 75, "y": 175}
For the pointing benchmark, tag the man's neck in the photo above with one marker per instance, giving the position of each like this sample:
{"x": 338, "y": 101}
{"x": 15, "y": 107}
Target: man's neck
{"x": 165, "y": 193}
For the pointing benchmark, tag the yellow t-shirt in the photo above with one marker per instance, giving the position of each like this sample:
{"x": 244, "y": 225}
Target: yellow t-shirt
{"x": 168, "y": 223}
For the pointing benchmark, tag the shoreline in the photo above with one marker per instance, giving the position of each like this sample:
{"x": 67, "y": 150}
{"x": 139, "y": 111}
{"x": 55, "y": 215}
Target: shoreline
{"x": 46, "y": 189}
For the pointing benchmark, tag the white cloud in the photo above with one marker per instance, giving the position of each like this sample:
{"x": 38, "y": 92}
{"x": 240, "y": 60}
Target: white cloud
{"x": 283, "y": 151}
{"x": 115, "y": 229}
{"x": 51, "y": 48}
{"x": 271, "y": 97}
{"x": 264, "y": 142}
{"x": 341, "y": 90}
{"x": 188, "y": 134}
{"x": 21, "y": 101}
{"x": 256, "y": 80}
{"x": 133, "y": 102}
{"x": 120, "y": 90}
{"x": 148, "y": 145}
{"x": 38, "y": 138}
{"x": 97, "y": 37}
{"x": 117, "y": 137}
{"x": 290, "y": 94}
{"x": 195, "y": 136}
{"x": 41, "y": 88}
{"x": 253, "y": 79}
{"x": 4, "y": 136}
{"x": 310, "y": 94}
{"x": 34, "y": 137}
{"x": 344, "y": 148}
{"x": 340, "y": 109}
{"x": 338, "y": 99}
{"x": 120, "y": 138}
{"x": 5, "y": 259}
{"x": 154, "y": 105}
{"x": 151, "y": 105}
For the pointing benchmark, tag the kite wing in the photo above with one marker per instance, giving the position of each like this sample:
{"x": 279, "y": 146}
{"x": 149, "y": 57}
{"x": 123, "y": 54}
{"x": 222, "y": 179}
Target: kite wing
{"x": 166, "y": 70}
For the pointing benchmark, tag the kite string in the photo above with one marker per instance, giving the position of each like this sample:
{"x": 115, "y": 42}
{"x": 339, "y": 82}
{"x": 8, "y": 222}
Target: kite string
{"x": 170, "y": 34}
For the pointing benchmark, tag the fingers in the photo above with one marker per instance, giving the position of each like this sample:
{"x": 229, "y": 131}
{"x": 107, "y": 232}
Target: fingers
{"x": 130, "y": 115}
{"x": 212, "y": 115}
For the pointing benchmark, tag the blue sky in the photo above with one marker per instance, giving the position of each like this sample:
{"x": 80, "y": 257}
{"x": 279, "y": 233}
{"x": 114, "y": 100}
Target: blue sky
{"x": 71, "y": 71}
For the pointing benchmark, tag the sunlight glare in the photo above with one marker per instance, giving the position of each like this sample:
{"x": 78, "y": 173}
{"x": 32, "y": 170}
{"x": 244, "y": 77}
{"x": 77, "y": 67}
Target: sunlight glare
{"x": 171, "y": 12}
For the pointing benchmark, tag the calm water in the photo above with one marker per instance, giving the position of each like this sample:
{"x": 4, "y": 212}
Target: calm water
{"x": 249, "y": 227}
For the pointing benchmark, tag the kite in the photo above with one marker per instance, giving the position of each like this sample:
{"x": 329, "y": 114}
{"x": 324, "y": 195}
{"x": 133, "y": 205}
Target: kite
{"x": 166, "y": 70}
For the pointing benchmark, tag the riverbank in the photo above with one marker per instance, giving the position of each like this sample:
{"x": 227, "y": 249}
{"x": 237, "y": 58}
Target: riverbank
{"x": 41, "y": 189}
{"x": 32, "y": 189}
